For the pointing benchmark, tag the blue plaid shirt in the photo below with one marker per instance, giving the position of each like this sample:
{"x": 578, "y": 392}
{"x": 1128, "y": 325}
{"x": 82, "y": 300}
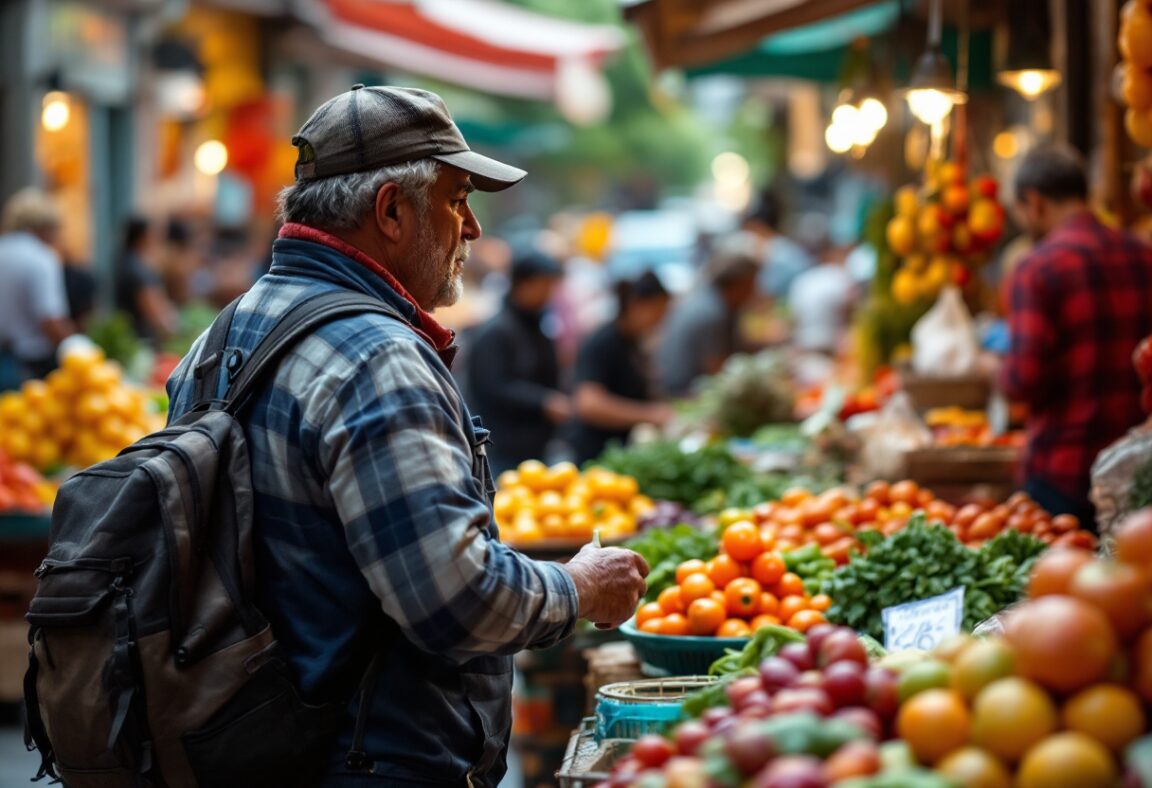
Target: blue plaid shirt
{"x": 374, "y": 532}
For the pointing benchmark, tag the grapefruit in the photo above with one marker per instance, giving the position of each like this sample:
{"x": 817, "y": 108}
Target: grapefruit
{"x": 1061, "y": 642}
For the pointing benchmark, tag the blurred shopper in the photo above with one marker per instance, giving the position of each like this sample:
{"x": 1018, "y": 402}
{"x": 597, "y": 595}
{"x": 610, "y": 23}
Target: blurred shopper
{"x": 702, "y": 330}
{"x": 33, "y": 301}
{"x": 1080, "y": 302}
{"x": 139, "y": 288}
{"x": 821, "y": 301}
{"x": 612, "y": 392}
{"x": 177, "y": 261}
{"x": 781, "y": 258}
{"x": 376, "y": 554}
{"x": 513, "y": 378}
{"x": 81, "y": 286}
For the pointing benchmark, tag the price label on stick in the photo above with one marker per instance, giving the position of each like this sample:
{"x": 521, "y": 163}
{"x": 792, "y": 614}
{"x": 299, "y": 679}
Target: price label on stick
{"x": 924, "y": 624}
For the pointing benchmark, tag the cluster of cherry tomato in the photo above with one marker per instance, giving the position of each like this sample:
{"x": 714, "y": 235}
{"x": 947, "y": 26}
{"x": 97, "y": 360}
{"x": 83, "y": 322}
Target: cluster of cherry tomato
{"x": 742, "y": 589}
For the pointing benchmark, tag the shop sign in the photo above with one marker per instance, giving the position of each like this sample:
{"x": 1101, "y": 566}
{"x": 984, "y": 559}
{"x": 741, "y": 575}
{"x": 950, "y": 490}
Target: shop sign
{"x": 924, "y": 624}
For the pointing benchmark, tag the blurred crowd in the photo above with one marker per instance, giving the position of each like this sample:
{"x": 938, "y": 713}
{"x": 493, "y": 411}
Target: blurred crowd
{"x": 567, "y": 342}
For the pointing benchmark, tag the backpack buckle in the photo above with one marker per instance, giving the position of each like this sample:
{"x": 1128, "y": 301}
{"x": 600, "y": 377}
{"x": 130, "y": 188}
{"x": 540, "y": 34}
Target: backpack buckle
{"x": 356, "y": 759}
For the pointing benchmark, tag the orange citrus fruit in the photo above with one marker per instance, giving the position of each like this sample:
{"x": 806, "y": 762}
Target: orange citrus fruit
{"x": 1067, "y": 760}
{"x": 1109, "y": 714}
{"x": 934, "y": 722}
{"x": 972, "y": 767}
{"x": 1010, "y": 716}
{"x": 981, "y": 664}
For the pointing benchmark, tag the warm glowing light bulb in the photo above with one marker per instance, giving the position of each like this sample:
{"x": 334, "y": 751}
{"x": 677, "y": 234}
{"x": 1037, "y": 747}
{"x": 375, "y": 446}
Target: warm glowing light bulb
{"x": 211, "y": 157}
{"x": 874, "y": 113}
{"x": 845, "y": 115}
{"x": 839, "y": 137}
{"x": 1030, "y": 83}
{"x": 1005, "y": 145}
{"x": 56, "y": 112}
{"x": 730, "y": 169}
{"x": 929, "y": 105}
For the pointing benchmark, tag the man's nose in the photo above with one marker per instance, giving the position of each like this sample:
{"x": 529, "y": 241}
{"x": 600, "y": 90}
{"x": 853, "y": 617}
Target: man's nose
{"x": 472, "y": 229}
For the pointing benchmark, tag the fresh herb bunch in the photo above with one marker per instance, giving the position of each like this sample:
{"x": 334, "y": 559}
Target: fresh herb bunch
{"x": 926, "y": 560}
{"x": 706, "y": 480}
{"x": 665, "y": 549}
{"x": 748, "y": 393}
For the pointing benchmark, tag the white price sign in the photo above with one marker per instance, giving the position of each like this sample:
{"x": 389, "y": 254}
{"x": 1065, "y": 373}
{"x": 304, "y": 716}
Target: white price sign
{"x": 924, "y": 624}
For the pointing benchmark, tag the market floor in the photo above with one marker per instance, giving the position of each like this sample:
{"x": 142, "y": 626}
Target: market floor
{"x": 17, "y": 765}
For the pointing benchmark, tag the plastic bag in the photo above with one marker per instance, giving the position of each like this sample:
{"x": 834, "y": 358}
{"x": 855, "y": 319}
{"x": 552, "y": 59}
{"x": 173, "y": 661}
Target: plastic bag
{"x": 1114, "y": 476}
{"x": 897, "y": 431}
{"x": 944, "y": 341}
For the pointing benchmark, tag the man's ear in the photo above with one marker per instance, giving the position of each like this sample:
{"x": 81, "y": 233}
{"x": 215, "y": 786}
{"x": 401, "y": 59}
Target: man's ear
{"x": 390, "y": 204}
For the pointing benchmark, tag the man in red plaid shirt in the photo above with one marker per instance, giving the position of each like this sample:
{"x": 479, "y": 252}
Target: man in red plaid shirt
{"x": 1080, "y": 302}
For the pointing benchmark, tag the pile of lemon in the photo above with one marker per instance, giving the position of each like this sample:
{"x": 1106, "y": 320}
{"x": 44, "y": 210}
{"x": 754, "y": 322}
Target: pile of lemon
{"x": 537, "y": 502}
{"x": 81, "y": 414}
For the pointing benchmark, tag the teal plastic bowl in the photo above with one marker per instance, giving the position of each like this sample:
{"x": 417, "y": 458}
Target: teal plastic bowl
{"x": 677, "y": 655}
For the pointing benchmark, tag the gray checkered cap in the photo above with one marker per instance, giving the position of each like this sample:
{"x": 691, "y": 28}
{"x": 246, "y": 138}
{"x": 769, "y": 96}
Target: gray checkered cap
{"x": 372, "y": 127}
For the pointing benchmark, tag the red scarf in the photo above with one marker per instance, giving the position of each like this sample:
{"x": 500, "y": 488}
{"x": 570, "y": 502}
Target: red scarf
{"x": 436, "y": 335}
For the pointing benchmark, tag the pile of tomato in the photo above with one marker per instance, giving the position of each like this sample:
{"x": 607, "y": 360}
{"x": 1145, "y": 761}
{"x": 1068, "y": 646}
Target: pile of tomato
{"x": 834, "y": 518}
{"x": 745, "y": 587}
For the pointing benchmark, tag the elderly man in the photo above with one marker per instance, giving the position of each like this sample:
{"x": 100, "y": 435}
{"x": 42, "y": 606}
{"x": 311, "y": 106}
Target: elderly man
{"x": 33, "y": 301}
{"x": 1080, "y": 302}
{"x": 374, "y": 536}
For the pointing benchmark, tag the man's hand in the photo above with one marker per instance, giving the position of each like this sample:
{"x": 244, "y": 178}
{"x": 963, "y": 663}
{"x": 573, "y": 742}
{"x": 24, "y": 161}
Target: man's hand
{"x": 558, "y": 408}
{"x": 609, "y": 583}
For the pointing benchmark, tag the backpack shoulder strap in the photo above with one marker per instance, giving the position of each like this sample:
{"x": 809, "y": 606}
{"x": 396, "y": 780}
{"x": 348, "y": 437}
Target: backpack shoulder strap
{"x": 302, "y": 319}
{"x": 206, "y": 372}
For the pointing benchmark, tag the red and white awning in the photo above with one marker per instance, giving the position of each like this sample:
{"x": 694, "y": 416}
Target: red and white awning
{"x": 482, "y": 44}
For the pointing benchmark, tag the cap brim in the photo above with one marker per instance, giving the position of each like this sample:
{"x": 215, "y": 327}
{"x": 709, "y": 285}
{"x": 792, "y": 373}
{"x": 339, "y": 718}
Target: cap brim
{"x": 488, "y": 175}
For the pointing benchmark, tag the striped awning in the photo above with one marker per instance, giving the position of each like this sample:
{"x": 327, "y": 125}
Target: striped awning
{"x": 481, "y": 44}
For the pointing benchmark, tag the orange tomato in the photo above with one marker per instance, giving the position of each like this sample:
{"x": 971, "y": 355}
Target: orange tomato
{"x": 705, "y": 616}
{"x": 763, "y": 620}
{"x": 820, "y": 602}
{"x": 718, "y": 595}
{"x": 790, "y": 585}
{"x": 647, "y": 612}
{"x": 840, "y": 551}
{"x": 794, "y": 496}
{"x": 653, "y": 625}
{"x": 670, "y": 600}
{"x": 696, "y": 586}
{"x": 769, "y": 604}
{"x": 1064, "y": 523}
{"x": 743, "y": 596}
{"x": 791, "y": 533}
{"x": 826, "y": 533}
{"x": 742, "y": 541}
{"x": 674, "y": 624}
{"x": 768, "y": 568}
{"x": 734, "y": 628}
{"x": 924, "y": 498}
{"x": 806, "y": 619}
{"x": 723, "y": 569}
{"x": 689, "y": 567}
{"x": 867, "y": 510}
{"x": 906, "y": 491}
{"x": 791, "y": 605}
{"x": 880, "y": 492}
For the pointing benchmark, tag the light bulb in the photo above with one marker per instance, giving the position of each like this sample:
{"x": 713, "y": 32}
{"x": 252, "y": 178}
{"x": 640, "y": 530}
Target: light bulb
{"x": 1030, "y": 83}
{"x": 211, "y": 157}
{"x": 730, "y": 169}
{"x": 56, "y": 112}
{"x": 845, "y": 115}
{"x": 839, "y": 137}
{"x": 863, "y": 135}
{"x": 929, "y": 105}
{"x": 874, "y": 113}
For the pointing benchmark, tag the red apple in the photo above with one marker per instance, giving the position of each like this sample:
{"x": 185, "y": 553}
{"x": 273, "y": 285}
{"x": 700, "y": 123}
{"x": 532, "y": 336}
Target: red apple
{"x": 844, "y": 683}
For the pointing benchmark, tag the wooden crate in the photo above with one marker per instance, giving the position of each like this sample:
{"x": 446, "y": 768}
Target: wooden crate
{"x": 965, "y": 474}
{"x": 970, "y": 392}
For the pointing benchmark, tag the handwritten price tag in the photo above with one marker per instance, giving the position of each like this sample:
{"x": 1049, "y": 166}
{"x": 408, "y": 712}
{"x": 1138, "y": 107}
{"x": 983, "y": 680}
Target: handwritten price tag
{"x": 924, "y": 624}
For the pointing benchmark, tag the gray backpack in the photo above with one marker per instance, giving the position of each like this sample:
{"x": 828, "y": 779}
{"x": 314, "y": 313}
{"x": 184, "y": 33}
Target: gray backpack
{"x": 150, "y": 664}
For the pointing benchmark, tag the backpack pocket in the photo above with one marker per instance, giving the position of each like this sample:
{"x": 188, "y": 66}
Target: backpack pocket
{"x": 266, "y": 735}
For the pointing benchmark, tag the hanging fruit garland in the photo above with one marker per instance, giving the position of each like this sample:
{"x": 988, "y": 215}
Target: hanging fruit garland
{"x": 943, "y": 232}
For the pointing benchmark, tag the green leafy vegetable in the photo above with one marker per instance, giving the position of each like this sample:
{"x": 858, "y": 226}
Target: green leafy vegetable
{"x": 764, "y": 643}
{"x": 926, "y": 560}
{"x": 1141, "y": 493}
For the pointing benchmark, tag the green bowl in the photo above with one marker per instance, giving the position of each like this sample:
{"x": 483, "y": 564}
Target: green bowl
{"x": 677, "y": 655}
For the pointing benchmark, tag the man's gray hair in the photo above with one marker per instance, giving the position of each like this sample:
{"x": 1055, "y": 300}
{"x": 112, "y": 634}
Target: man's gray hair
{"x": 340, "y": 202}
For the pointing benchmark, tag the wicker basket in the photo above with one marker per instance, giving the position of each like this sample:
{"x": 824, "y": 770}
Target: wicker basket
{"x": 629, "y": 709}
